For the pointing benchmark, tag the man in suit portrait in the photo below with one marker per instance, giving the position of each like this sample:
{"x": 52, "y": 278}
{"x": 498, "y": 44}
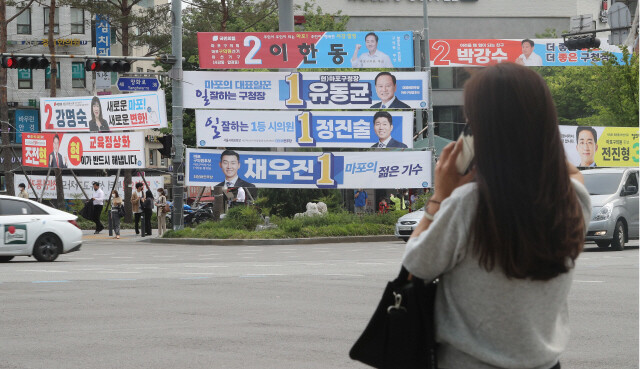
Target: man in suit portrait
{"x": 382, "y": 126}
{"x": 385, "y": 84}
{"x": 230, "y": 163}
{"x": 55, "y": 158}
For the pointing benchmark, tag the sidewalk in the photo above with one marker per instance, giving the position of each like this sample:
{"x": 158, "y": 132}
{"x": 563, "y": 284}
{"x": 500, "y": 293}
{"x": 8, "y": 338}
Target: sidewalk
{"x": 127, "y": 234}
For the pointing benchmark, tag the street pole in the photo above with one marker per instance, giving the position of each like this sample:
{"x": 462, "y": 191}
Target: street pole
{"x": 285, "y": 15}
{"x": 427, "y": 61}
{"x": 177, "y": 179}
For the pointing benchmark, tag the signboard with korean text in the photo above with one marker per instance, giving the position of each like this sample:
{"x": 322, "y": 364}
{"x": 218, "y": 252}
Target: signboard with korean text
{"x": 138, "y": 84}
{"x": 141, "y": 110}
{"x": 26, "y": 120}
{"x": 370, "y": 169}
{"x": 246, "y": 50}
{"x": 73, "y": 191}
{"x": 533, "y": 53}
{"x": 124, "y": 150}
{"x": 305, "y": 90}
{"x": 249, "y": 128}
{"x": 587, "y": 146}
{"x": 103, "y": 48}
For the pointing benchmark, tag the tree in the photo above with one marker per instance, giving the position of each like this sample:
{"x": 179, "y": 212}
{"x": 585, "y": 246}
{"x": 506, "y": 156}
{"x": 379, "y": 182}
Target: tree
{"x": 4, "y": 109}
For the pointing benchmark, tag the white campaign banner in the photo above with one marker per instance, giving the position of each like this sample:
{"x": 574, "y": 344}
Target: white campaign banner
{"x": 305, "y": 90}
{"x": 122, "y": 150}
{"x": 73, "y": 191}
{"x": 106, "y": 113}
{"x": 250, "y": 128}
{"x": 363, "y": 169}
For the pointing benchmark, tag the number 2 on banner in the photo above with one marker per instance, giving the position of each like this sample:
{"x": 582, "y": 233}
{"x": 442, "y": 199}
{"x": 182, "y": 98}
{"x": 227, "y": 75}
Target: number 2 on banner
{"x": 49, "y": 112}
{"x": 326, "y": 168}
{"x": 295, "y": 87}
{"x": 254, "y": 50}
{"x": 305, "y": 129}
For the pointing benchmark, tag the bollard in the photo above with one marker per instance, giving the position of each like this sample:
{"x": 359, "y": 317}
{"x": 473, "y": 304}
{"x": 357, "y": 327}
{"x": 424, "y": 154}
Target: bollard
{"x": 143, "y": 228}
{"x": 110, "y": 222}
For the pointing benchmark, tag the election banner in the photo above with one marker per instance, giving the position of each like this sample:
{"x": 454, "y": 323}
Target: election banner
{"x": 532, "y": 53}
{"x": 105, "y": 113}
{"x": 103, "y": 48}
{"x": 305, "y": 90}
{"x": 73, "y": 191}
{"x": 293, "y": 128}
{"x": 370, "y": 169}
{"x": 601, "y": 146}
{"x": 84, "y": 150}
{"x": 26, "y": 120}
{"x": 248, "y": 50}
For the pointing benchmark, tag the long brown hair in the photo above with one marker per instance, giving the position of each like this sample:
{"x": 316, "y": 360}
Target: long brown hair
{"x": 528, "y": 221}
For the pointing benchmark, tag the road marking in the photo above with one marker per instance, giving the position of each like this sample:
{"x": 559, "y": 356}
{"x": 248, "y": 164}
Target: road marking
{"x": 50, "y": 281}
{"x": 579, "y": 281}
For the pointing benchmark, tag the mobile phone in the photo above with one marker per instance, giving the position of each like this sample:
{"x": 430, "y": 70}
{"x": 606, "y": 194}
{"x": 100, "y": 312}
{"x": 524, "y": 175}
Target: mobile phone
{"x": 465, "y": 158}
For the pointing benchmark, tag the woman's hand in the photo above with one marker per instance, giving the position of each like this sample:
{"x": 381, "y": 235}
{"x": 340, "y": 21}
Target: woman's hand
{"x": 574, "y": 172}
{"x": 447, "y": 177}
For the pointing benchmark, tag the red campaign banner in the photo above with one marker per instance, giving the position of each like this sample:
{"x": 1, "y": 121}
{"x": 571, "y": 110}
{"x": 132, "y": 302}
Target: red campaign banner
{"x": 83, "y": 151}
{"x": 473, "y": 52}
{"x": 245, "y": 49}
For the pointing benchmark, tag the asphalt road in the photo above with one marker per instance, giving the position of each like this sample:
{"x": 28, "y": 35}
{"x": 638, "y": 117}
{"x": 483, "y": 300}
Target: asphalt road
{"x": 129, "y": 304}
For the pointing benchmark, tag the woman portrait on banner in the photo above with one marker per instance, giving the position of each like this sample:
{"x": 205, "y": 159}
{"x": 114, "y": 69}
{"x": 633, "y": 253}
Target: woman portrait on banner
{"x": 97, "y": 122}
{"x": 117, "y": 207}
{"x": 503, "y": 238}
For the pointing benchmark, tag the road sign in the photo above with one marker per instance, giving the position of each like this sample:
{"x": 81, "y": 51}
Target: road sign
{"x": 138, "y": 84}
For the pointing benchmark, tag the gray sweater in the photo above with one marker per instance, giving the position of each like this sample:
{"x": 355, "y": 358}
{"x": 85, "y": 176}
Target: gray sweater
{"x": 483, "y": 319}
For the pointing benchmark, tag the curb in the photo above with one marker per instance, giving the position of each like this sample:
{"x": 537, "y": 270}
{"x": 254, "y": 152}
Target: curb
{"x": 269, "y": 242}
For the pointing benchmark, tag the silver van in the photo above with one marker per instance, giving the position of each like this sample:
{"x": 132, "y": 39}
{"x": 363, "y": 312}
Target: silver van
{"x": 614, "y": 201}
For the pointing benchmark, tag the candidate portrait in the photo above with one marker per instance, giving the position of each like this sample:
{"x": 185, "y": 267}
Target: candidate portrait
{"x": 385, "y": 84}
{"x": 383, "y": 126}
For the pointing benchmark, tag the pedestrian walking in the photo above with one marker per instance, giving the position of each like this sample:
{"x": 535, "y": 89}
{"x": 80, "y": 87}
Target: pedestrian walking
{"x": 360, "y": 200}
{"x": 23, "y": 192}
{"x": 160, "y": 204}
{"x": 98, "y": 202}
{"x": 117, "y": 208}
{"x": 137, "y": 198}
{"x": 504, "y": 247}
{"x": 148, "y": 211}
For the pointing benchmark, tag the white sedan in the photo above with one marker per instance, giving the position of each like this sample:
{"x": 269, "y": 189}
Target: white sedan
{"x": 32, "y": 229}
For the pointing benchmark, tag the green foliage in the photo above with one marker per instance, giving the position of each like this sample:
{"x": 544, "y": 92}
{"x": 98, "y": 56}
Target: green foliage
{"x": 316, "y": 20}
{"x": 287, "y": 202}
{"x": 242, "y": 217}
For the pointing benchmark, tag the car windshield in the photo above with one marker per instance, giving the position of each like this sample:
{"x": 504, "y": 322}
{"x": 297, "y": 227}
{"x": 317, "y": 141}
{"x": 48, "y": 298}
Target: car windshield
{"x": 602, "y": 183}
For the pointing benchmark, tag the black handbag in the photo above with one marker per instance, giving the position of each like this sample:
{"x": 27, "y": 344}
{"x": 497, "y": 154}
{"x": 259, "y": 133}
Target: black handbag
{"x": 121, "y": 211}
{"x": 401, "y": 333}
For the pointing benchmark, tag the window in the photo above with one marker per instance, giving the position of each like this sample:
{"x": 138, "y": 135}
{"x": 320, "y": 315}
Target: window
{"x": 632, "y": 180}
{"x": 139, "y": 70}
{"x": 448, "y": 78}
{"x": 56, "y": 22}
{"x": 14, "y": 207}
{"x": 25, "y": 79}
{"x": 24, "y": 22}
{"x": 78, "y": 75}
{"x": 77, "y": 21}
{"x": 47, "y": 77}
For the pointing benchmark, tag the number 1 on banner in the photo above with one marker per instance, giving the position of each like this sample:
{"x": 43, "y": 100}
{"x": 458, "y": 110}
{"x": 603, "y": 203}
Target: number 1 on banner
{"x": 326, "y": 168}
{"x": 305, "y": 138}
{"x": 295, "y": 88}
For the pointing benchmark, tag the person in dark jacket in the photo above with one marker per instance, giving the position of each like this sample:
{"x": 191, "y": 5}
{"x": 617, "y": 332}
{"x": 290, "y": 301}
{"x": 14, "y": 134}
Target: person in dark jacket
{"x": 148, "y": 211}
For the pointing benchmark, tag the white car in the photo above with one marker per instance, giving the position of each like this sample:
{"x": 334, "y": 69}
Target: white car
{"x": 407, "y": 223}
{"x": 32, "y": 229}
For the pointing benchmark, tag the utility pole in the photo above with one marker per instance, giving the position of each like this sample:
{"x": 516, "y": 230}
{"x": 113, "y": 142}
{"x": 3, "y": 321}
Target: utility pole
{"x": 177, "y": 179}
{"x": 427, "y": 60}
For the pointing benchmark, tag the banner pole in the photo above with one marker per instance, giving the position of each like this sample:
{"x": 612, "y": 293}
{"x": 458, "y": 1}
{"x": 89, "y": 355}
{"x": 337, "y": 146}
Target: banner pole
{"x": 44, "y": 187}
{"x": 177, "y": 179}
{"x": 79, "y": 185}
{"x": 427, "y": 60}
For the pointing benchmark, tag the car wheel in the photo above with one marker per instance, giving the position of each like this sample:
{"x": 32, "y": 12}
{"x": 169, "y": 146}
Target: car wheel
{"x": 5, "y": 259}
{"x": 47, "y": 247}
{"x": 603, "y": 244}
{"x": 618, "y": 237}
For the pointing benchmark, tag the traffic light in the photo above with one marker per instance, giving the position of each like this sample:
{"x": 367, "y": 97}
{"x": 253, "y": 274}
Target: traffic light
{"x": 582, "y": 42}
{"x": 25, "y": 62}
{"x": 166, "y": 142}
{"x": 97, "y": 65}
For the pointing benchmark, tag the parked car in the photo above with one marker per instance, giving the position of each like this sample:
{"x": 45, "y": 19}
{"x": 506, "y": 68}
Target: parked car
{"x": 407, "y": 223}
{"x": 33, "y": 229}
{"x": 614, "y": 201}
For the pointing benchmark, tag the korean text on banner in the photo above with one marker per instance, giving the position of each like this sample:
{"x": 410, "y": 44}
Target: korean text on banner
{"x": 84, "y": 150}
{"x": 73, "y": 191}
{"x": 292, "y": 128}
{"x": 142, "y": 110}
{"x": 103, "y": 48}
{"x": 601, "y": 146}
{"x": 372, "y": 169}
{"x": 305, "y": 90}
{"x": 532, "y": 53}
{"x": 226, "y": 50}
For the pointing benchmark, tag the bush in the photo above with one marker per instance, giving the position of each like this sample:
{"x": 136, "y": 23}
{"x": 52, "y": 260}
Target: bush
{"x": 242, "y": 217}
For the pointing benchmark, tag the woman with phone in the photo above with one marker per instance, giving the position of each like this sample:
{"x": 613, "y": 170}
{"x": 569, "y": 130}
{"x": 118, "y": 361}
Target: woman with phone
{"x": 503, "y": 238}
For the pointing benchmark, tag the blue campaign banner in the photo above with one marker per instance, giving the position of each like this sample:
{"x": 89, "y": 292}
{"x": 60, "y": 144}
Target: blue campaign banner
{"x": 305, "y": 90}
{"x": 26, "y": 120}
{"x": 370, "y": 169}
{"x": 292, "y": 128}
{"x": 251, "y": 50}
{"x": 103, "y": 48}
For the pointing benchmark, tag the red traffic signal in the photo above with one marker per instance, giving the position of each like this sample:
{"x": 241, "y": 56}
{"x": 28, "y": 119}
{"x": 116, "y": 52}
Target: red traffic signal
{"x": 25, "y": 62}
{"x": 9, "y": 62}
{"x": 96, "y": 65}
